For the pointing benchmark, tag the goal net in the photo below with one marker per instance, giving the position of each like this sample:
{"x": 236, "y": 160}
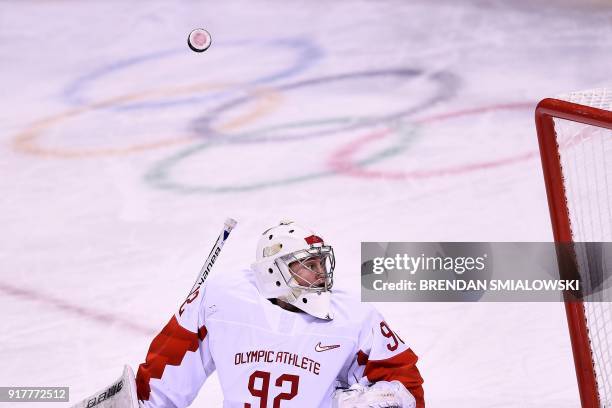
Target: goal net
{"x": 575, "y": 137}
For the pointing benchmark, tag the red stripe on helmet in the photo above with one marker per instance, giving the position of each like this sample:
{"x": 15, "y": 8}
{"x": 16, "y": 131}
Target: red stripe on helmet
{"x": 313, "y": 239}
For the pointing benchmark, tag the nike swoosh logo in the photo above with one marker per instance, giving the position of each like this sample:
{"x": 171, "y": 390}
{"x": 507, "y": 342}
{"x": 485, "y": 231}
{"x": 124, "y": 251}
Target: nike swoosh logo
{"x": 320, "y": 348}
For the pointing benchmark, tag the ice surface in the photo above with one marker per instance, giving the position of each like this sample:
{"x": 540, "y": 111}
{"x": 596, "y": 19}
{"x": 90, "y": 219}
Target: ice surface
{"x": 123, "y": 152}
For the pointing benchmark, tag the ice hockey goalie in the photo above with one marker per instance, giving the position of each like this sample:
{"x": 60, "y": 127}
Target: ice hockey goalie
{"x": 278, "y": 335}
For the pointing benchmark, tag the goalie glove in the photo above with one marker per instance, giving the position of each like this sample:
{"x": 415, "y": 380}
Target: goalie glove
{"x": 382, "y": 394}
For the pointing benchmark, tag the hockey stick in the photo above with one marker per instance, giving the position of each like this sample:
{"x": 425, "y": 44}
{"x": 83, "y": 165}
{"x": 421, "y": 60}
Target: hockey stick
{"x": 228, "y": 226}
{"x": 122, "y": 393}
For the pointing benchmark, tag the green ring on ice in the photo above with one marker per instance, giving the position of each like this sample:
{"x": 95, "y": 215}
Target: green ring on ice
{"x": 159, "y": 175}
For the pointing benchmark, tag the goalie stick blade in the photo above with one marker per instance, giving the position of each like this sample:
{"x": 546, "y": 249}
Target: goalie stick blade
{"x": 120, "y": 394}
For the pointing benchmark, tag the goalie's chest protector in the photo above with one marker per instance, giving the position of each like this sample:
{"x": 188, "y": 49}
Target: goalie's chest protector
{"x": 267, "y": 356}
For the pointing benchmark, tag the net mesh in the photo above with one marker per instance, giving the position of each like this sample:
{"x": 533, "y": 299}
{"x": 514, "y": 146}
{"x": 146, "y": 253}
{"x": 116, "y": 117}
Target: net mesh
{"x": 586, "y": 161}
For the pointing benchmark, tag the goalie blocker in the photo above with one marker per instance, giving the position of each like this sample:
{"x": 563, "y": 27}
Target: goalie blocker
{"x": 120, "y": 394}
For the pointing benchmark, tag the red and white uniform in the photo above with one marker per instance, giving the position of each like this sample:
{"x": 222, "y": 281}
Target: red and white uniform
{"x": 267, "y": 356}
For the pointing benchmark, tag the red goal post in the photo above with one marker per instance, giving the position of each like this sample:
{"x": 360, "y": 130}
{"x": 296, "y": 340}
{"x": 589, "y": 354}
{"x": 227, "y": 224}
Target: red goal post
{"x": 588, "y": 115}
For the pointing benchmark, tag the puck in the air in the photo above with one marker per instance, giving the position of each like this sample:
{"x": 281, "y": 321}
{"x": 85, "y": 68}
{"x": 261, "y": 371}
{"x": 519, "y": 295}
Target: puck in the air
{"x": 199, "y": 40}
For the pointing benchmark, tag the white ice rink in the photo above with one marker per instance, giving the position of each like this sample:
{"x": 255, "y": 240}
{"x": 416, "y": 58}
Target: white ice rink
{"x": 122, "y": 152}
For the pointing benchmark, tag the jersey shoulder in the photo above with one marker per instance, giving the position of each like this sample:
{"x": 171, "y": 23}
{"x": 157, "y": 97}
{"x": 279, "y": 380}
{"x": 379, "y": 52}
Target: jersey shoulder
{"x": 231, "y": 291}
{"x": 236, "y": 285}
{"x": 350, "y": 309}
{"x": 237, "y": 282}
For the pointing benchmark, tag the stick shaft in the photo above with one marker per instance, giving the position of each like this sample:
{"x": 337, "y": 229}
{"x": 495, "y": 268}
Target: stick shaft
{"x": 228, "y": 226}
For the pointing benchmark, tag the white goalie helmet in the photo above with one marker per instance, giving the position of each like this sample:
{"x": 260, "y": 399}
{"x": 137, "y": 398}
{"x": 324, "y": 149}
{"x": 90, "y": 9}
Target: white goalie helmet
{"x": 294, "y": 265}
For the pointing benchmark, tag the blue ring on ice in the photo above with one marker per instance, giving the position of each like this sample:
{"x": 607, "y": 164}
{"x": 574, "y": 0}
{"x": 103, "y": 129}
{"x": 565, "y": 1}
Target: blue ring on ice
{"x": 308, "y": 54}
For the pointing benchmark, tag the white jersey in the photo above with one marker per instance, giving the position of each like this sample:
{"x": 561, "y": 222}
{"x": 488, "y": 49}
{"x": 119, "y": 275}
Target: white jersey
{"x": 267, "y": 356}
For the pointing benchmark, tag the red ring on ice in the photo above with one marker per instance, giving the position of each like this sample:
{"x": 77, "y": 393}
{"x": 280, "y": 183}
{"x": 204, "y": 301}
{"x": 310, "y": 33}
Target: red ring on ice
{"x": 341, "y": 160}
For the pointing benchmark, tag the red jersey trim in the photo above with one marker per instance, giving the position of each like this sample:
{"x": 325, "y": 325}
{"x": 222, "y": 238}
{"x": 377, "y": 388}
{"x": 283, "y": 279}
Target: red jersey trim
{"x": 167, "y": 348}
{"x": 362, "y": 358}
{"x": 400, "y": 367}
{"x": 202, "y": 333}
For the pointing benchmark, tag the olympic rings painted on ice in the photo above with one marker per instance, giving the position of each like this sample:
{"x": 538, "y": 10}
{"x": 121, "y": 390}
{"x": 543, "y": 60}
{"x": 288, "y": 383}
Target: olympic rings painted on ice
{"x": 307, "y": 55}
{"x": 159, "y": 176}
{"x": 26, "y": 141}
{"x": 341, "y": 159}
{"x": 447, "y": 85}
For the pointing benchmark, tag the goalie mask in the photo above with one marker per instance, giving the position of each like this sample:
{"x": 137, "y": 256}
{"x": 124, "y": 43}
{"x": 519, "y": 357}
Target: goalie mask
{"x": 294, "y": 265}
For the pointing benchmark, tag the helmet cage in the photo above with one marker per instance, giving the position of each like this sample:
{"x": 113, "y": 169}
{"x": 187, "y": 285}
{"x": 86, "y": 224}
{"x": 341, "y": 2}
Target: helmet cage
{"x": 324, "y": 252}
